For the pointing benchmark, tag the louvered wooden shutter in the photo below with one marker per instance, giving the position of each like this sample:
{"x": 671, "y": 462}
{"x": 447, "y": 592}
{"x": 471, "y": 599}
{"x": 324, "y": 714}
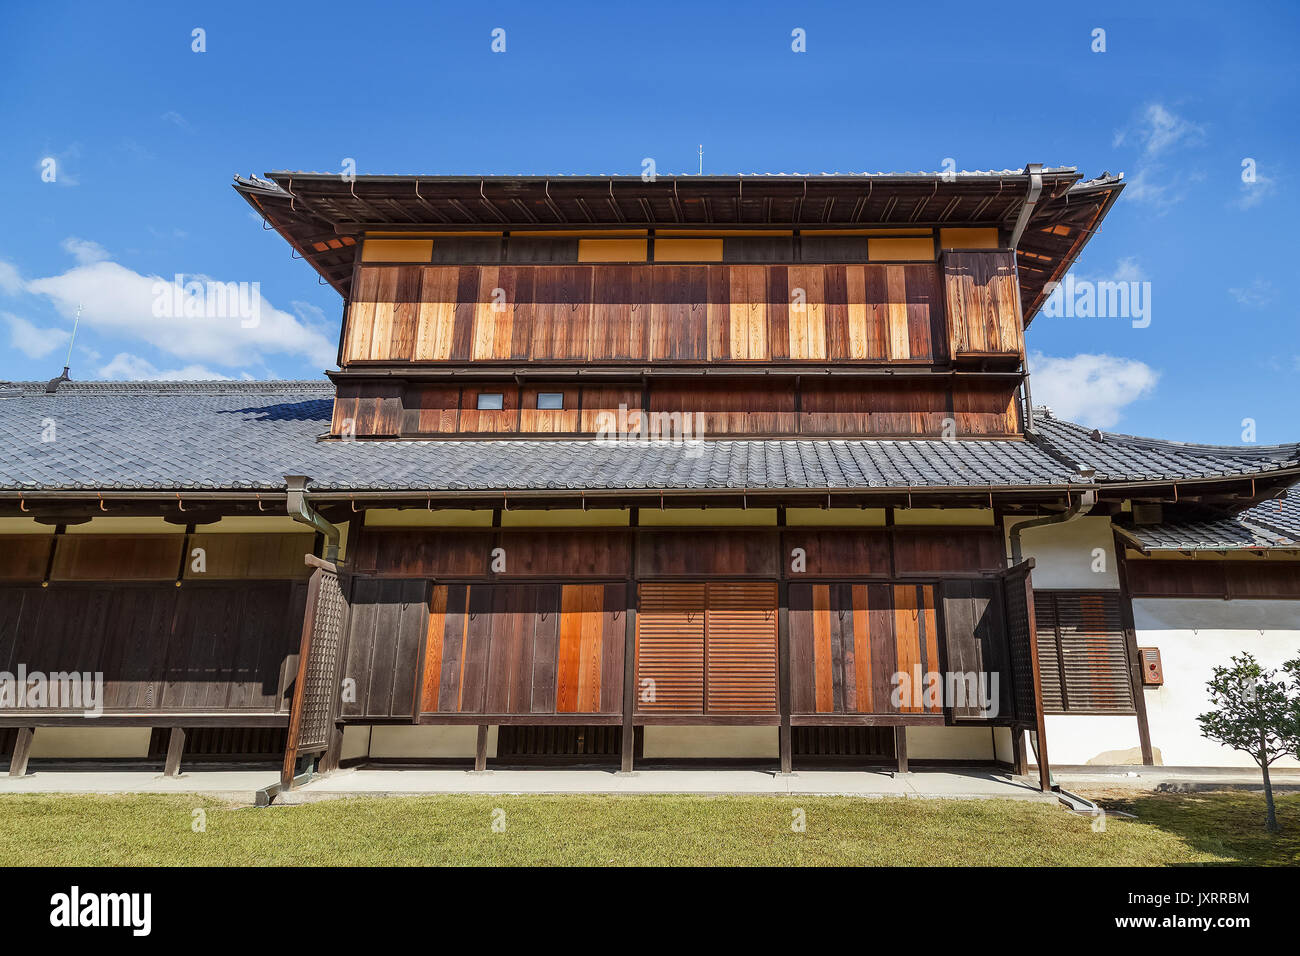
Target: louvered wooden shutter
{"x": 670, "y": 648}
{"x": 740, "y": 635}
{"x": 1082, "y": 652}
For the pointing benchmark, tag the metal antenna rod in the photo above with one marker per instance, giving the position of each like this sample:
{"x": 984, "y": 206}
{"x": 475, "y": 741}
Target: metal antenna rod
{"x": 701, "y": 159}
{"x": 67, "y": 363}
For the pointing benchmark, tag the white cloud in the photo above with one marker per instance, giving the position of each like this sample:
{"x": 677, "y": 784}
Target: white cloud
{"x": 119, "y": 301}
{"x": 1160, "y": 129}
{"x": 32, "y": 340}
{"x": 84, "y": 250}
{"x": 176, "y": 119}
{"x": 1257, "y": 295}
{"x": 11, "y": 283}
{"x": 133, "y": 368}
{"x": 1254, "y": 193}
{"x": 1090, "y": 389}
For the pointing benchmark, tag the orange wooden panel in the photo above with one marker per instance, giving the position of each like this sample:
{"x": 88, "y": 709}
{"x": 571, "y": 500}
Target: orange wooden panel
{"x": 862, "y": 648}
{"x": 740, "y": 640}
{"x": 670, "y": 647}
{"x": 822, "y": 659}
{"x": 433, "y": 650}
{"x": 361, "y": 316}
{"x": 907, "y": 636}
{"x": 436, "y": 319}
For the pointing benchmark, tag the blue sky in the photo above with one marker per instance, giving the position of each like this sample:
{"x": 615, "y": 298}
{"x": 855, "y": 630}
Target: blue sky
{"x": 145, "y": 135}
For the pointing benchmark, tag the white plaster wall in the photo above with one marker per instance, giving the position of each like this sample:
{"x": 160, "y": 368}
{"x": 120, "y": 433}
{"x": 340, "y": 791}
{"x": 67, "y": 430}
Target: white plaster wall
{"x": 711, "y": 742}
{"x": 428, "y": 741}
{"x": 90, "y": 742}
{"x": 1083, "y": 738}
{"x": 1064, "y": 554}
{"x": 949, "y": 743}
{"x": 1195, "y": 635}
{"x": 1002, "y": 749}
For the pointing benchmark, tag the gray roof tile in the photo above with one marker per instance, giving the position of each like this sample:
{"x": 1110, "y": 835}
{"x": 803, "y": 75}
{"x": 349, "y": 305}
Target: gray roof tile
{"x": 235, "y": 435}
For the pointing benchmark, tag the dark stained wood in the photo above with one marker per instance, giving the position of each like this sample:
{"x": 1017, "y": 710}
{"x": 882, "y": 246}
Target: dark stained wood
{"x": 685, "y": 551}
{"x": 22, "y": 751}
{"x": 175, "y": 748}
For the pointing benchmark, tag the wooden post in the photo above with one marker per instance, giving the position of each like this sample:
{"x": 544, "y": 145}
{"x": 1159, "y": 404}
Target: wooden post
{"x": 629, "y": 682}
{"x": 480, "y": 756}
{"x": 900, "y": 747}
{"x": 1040, "y": 721}
{"x": 783, "y": 675}
{"x": 22, "y": 750}
{"x": 1019, "y": 764}
{"x": 175, "y": 747}
{"x": 1134, "y": 657}
{"x": 334, "y": 752}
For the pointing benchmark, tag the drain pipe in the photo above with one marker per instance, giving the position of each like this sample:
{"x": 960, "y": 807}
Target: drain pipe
{"x": 301, "y": 510}
{"x": 1077, "y": 509}
{"x": 1035, "y": 171}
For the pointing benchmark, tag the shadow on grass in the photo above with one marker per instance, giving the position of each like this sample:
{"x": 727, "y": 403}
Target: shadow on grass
{"x": 1227, "y": 823}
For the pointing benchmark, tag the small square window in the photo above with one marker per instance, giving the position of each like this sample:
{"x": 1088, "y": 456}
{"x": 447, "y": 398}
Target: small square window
{"x": 490, "y": 401}
{"x": 549, "y": 401}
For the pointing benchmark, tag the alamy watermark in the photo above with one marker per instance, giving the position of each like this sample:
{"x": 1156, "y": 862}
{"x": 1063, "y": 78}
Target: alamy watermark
{"x": 1085, "y": 299}
{"x": 640, "y": 429}
{"x": 206, "y": 299}
{"x": 931, "y": 690}
{"x": 58, "y": 690}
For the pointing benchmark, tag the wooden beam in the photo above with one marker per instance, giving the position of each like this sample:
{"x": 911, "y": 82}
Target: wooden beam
{"x": 22, "y": 750}
{"x": 175, "y": 747}
{"x": 900, "y": 748}
{"x": 480, "y": 755}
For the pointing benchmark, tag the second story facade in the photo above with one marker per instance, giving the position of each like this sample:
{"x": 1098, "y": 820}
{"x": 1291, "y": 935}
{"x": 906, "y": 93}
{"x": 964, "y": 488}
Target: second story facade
{"x": 886, "y": 306}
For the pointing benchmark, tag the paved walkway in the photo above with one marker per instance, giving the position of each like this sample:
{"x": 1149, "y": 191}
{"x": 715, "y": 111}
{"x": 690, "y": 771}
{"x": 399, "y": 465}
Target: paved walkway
{"x": 237, "y": 785}
{"x": 242, "y": 785}
{"x": 969, "y": 785}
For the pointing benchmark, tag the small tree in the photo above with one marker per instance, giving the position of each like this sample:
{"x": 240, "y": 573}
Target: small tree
{"x": 1254, "y": 713}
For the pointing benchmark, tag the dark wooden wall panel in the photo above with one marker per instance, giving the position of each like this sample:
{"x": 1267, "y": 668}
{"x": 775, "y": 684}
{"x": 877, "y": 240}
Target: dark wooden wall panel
{"x": 848, "y": 641}
{"x": 387, "y": 625}
{"x": 525, "y": 649}
{"x": 837, "y": 552}
{"x": 684, "y": 551}
{"x": 24, "y": 557}
{"x": 948, "y": 550}
{"x": 467, "y": 553}
{"x": 211, "y": 649}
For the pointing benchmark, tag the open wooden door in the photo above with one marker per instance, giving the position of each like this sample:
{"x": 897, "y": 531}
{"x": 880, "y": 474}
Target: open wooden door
{"x": 316, "y": 689}
{"x": 1022, "y": 649}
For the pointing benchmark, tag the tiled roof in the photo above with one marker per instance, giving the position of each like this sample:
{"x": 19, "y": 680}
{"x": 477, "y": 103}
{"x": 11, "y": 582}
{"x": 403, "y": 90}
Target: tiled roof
{"x": 1271, "y": 524}
{"x": 1117, "y": 457}
{"x": 235, "y": 435}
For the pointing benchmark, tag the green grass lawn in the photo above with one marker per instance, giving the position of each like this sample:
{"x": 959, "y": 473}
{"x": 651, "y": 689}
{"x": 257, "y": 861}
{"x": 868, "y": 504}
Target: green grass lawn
{"x": 651, "y": 830}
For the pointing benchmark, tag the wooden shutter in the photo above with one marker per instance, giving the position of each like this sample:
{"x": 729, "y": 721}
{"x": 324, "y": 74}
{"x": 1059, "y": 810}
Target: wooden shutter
{"x": 670, "y": 647}
{"x": 740, "y": 638}
{"x": 1083, "y": 652}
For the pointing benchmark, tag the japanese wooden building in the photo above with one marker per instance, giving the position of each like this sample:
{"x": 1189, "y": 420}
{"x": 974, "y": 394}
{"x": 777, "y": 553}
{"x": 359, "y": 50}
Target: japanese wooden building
{"x": 698, "y": 468}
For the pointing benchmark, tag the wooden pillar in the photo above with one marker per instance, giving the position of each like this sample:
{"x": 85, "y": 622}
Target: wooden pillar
{"x": 783, "y": 676}
{"x": 480, "y": 756}
{"x": 22, "y": 750}
{"x": 1134, "y": 657}
{"x": 629, "y": 682}
{"x": 1019, "y": 764}
{"x": 175, "y": 747}
{"x": 900, "y": 747}
{"x": 334, "y": 752}
{"x": 630, "y": 599}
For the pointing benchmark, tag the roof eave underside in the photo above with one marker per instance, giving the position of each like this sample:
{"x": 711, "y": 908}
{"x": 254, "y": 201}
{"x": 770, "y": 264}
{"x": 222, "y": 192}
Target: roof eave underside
{"x": 311, "y": 209}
